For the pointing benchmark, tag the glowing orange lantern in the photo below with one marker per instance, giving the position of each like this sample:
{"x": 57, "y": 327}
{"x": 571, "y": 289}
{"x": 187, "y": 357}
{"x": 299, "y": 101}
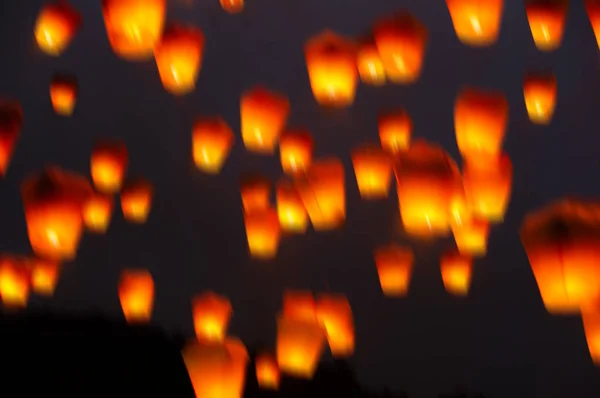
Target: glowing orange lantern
{"x": 208, "y": 364}
{"x": 456, "y": 272}
{"x": 471, "y": 237}
{"x": 235, "y": 376}
{"x": 592, "y": 8}
{"x": 97, "y": 211}
{"x": 290, "y": 209}
{"x": 267, "y": 372}
{"x": 53, "y": 201}
{"x": 299, "y": 346}
{"x": 11, "y": 120}
{"x": 263, "y": 233}
{"x": 547, "y": 22}
{"x": 255, "y": 190}
{"x": 299, "y": 304}
{"x": 108, "y": 164}
{"x": 263, "y": 115}
{"x": 63, "y": 94}
{"x": 212, "y": 140}
{"x": 401, "y": 41}
{"x": 540, "y": 97}
{"x": 178, "y": 57}
{"x": 394, "y": 266}
{"x": 373, "y": 169}
{"x": 476, "y": 23}
{"x": 335, "y": 316}
{"x": 232, "y": 6}
{"x": 136, "y": 200}
{"x": 296, "y": 150}
{"x": 134, "y": 27}
{"x": 44, "y": 276}
{"x": 395, "y": 129}
{"x": 15, "y": 275}
{"x": 56, "y": 25}
{"x": 212, "y": 313}
{"x": 136, "y": 293}
{"x": 460, "y": 208}
{"x": 562, "y": 242}
{"x": 591, "y": 325}
{"x": 370, "y": 65}
{"x": 480, "y": 119}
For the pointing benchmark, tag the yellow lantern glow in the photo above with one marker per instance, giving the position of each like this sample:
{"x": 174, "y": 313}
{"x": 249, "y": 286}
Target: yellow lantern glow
{"x": 335, "y": 316}
{"x": 299, "y": 346}
{"x": 471, "y": 237}
{"x": 11, "y": 120}
{"x": 547, "y": 22}
{"x": 373, "y": 169}
{"x": 476, "y": 23}
{"x": 267, "y": 372}
{"x": 208, "y": 364}
{"x": 540, "y": 97}
{"x": 108, "y": 164}
{"x": 232, "y": 6}
{"x": 296, "y": 150}
{"x": 255, "y": 191}
{"x": 44, "y": 276}
{"x": 263, "y": 233}
{"x": 290, "y": 209}
{"x": 212, "y": 140}
{"x": 395, "y": 129}
{"x": 136, "y": 200}
{"x": 299, "y": 304}
{"x": 212, "y": 313}
{"x": 63, "y": 94}
{"x": 394, "y": 266}
{"x": 136, "y": 293}
{"x": 15, "y": 275}
{"x": 263, "y": 116}
{"x": 97, "y": 212}
{"x": 592, "y": 7}
{"x": 56, "y": 25}
{"x": 591, "y": 325}
{"x": 370, "y": 65}
{"x": 456, "y": 272}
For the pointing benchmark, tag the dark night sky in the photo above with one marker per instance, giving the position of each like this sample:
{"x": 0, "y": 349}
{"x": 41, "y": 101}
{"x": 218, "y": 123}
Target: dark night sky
{"x": 498, "y": 340}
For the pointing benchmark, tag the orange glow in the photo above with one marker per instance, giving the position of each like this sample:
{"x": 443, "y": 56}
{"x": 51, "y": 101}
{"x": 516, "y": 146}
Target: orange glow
{"x": 299, "y": 304}
{"x": 263, "y": 233}
{"x": 562, "y": 242}
{"x": 267, "y": 372}
{"x": 370, "y": 65}
{"x": 290, "y": 209}
{"x": 53, "y": 202}
{"x": 232, "y": 6}
{"x": 476, "y": 23}
{"x": 480, "y": 119}
{"x": 460, "y": 208}
{"x": 331, "y": 64}
{"x": 296, "y": 150}
{"x": 212, "y": 313}
{"x": 540, "y": 97}
{"x": 401, "y": 41}
{"x": 255, "y": 190}
{"x": 97, "y": 212}
{"x": 15, "y": 275}
{"x": 547, "y": 22}
{"x": 134, "y": 27}
{"x": 471, "y": 238}
{"x": 373, "y": 170}
{"x": 11, "y": 120}
{"x": 591, "y": 325}
{"x": 136, "y": 200}
{"x": 263, "y": 116}
{"x": 178, "y": 57}
{"x": 456, "y": 272}
{"x": 44, "y": 276}
{"x": 394, "y": 265}
{"x": 212, "y": 140}
{"x": 208, "y": 365}
{"x": 56, "y": 25}
{"x": 426, "y": 178}
{"x": 335, "y": 316}
{"x": 395, "y": 129}
{"x": 592, "y": 7}
{"x": 63, "y": 94}
{"x": 108, "y": 164}
{"x": 136, "y": 293}
{"x": 235, "y": 376}
{"x": 299, "y": 346}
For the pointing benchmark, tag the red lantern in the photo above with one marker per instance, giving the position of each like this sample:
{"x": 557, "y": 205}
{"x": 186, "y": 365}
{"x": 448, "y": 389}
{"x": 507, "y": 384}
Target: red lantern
{"x": 11, "y": 119}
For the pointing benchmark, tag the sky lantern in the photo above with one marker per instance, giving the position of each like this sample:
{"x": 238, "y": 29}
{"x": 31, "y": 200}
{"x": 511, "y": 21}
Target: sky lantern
{"x": 108, "y": 165}
{"x": 547, "y": 22}
{"x": 335, "y": 316}
{"x": 395, "y": 129}
{"x": 178, "y": 57}
{"x": 427, "y": 179}
{"x": 212, "y": 139}
{"x": 56, "y": 25}
{"x": 53, "y": 201}
{"x": 263, "y": 116}
{"x": 256, "y": 191}
{"x": 592, "y": 7}
{"x": 208, "y": 364}
{"x": 235, "y": 376}
{"x": 394, "y": 265}
{"x": 136, "y": 200}
{"x": 460, "y": 208}
{"x": 97, "y": 212}
{"x": 401, "y": 40}
{"x": 476, "y": 22}
{"x": 540, "y": 96}
{"x": 134, "y": 27}
{"x": 299, "y": 304}
{"x": 211, "y": 313}
{"x": 296, "y": 151}
{"x": 562, "y": 242}
{"x": 370, "y": 65}
{"x": 263, "y": 233}
{"x": 136, "y": 293}
{"x": 331, "y": 64}
{"x": 11, "y": 120}
{"x": 373, "y": 170}
{"x": 480, "y": 119}
{"x": 300, "y": 344}
{"x": 63, "y": 94}
{"x": 456, "y": 271}
{"x": 591, "y": 325}
{"x": 15, "y": 276}
{"x": 44, "y": 276}
{"x": 267, "y": 372}
{"x": 472, "y": 237}
{"x": 290, "y": 209}
{"x": 232, "y": 6}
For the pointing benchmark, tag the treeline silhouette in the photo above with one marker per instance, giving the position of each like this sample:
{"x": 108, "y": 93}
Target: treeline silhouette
{"x": 60, "y": 355}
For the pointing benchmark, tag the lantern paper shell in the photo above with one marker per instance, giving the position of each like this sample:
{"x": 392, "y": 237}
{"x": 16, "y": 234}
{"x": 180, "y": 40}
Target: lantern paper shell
{"x": 136, "y": 293}
{"x": 267, "y": 372}
{"x": 460, "y": 209}
{"x": 476, "y": 23}
{"x": 63, "y": 94}
{"x": 212, "y": 140}
{"x": 207, "y": 364}
{"x": 592, "y": 8}
{"x": 178, "y": 57}
{"x": 263, "y": 233}
{"x": 562, "y": 242}
{"x": 299, "y": 346}
{"x": 456, "y": 272}
{"x": 331, "y": 64}
{"x": 108, "y": 165}
{"x": 370, "y": 65}
{"x": 15, "y": 275}
{"x": 136, "y": 200}
{"x": 290, "y": 209}
{"x": 547, "y": 22}
{"x": 232, "y": 6}
{"x": 235, "y": 376}
{"x": 134, "y": 27}
{"x": 11, "y": 120}
{"x": 56, "y": 25}
{"x": 373, "y": 170}
{"x": 299, "y": 304}
{"x": 296, "y": 151}
{"x": 44, "y": 276}
{"x": 53, "y": 201}
{"x": 394, "y": 265}
{"x": 540, "y": 97}
{"x": 97, "y": 212}
{"x": 395, "y": 129}
{"x": 471, "y": 237}
{"x": 591, "y": 325}
{"x": 256, "y": 191}
{"x": 335, "y": 316}
{"x": 212, "y": 313}
{"x": 401, "y": 40}
{"x": 263, "y": 116}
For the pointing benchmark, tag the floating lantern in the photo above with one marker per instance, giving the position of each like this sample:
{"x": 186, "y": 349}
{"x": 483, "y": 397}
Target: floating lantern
{"x": 299, "y": 304}
{"x": 15, "y": 275}
{"x": 63, "y": 94}
{"x": 370, "y": 65}
{"x": 11, "y": 120}
{"x": 44, "y": 276}
{"x": 471, "y": 237}
{"x": 460, "y": 209}
{"x": 235, "y": 376}
{"x": 373, "y": 169}
{"x": 476, "y": 23}
{"x": 290, "y": 209}
{"x": 136, "y": 200}
{"x": 547, "y": 22}
{"x": 136, "y": 293}
{"x": 108, "y": 164}
{"x": 296, "y": 150}
{"x": 592, "y": 7}
{"x": 267, "y": 372}
{"x": 395, "y": 129}
{"x": 232, "y": 6}
{"x": 97, "y": 211}
{"x": 401, "y": 41}
{"x": 134, "y": 27}
{"x": 255, "y": 190}
{"x": 212, "y": 313}
{"x": 331, "y": 64}
{"x": 263, "y": 115}
{"x": 207, "y": 365}
{"x": 299, "y": 346}
{"x": 263, "y": 233}
{"x": 178, "y": 57}
{"x": 591, "y": 325}
{"x": 56, "y": 25}
{"x": 394, "y": 266}
{"x": 212, "y": 140}
{"x": 540, "y": 97}
{"x": 335, "y": 316}
{"x": 456, "y": 272}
